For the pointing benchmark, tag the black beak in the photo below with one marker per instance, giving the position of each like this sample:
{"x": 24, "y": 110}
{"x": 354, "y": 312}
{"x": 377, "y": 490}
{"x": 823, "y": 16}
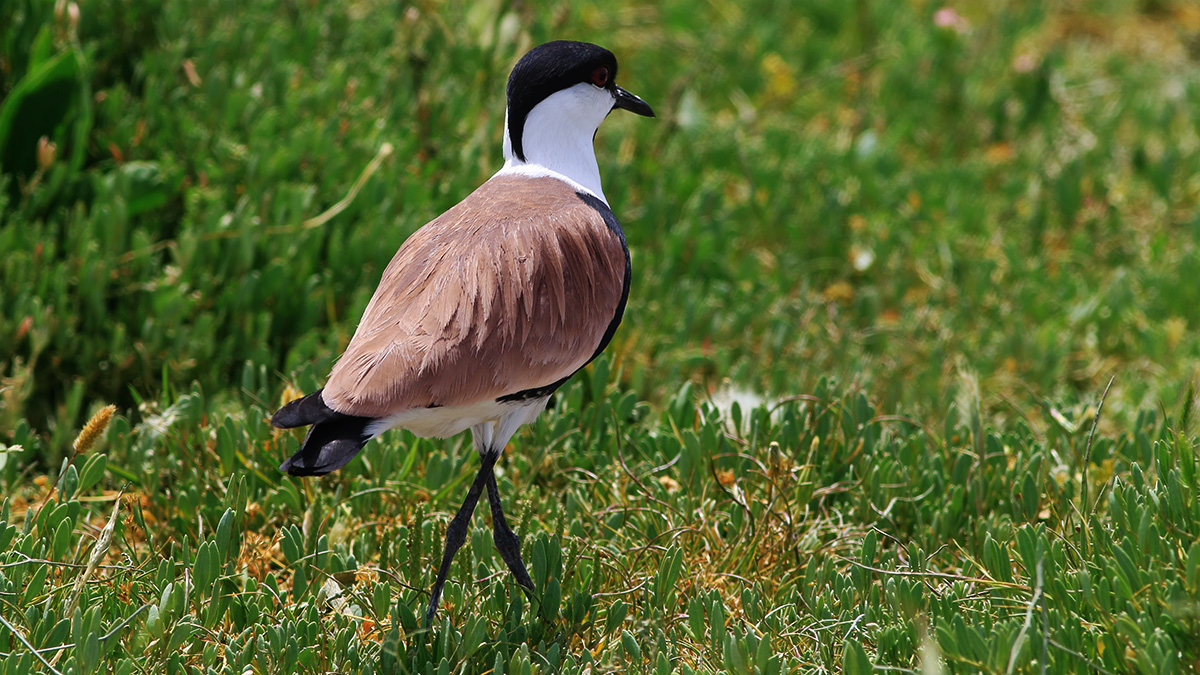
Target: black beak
{"x": 627, "y": 101}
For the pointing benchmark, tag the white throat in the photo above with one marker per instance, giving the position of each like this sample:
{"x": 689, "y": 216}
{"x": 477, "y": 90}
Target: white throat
{"x": 557, "y": 139}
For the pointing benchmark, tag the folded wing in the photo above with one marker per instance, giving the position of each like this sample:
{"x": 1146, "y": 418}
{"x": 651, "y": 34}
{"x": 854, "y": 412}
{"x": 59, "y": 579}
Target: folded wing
{"x": 515, "y": 288}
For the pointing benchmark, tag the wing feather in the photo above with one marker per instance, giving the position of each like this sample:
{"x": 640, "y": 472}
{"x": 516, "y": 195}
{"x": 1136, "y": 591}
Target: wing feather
{"x": 477, "y": 307}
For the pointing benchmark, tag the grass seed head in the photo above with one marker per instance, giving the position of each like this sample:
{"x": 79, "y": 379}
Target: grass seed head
{"x": 93, "y": 429}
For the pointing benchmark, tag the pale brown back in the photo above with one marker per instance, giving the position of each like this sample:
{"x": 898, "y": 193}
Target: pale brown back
{"x": 511, "y": 289}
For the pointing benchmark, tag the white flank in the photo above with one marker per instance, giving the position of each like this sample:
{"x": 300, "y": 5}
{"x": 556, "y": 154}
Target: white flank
{"x": 492, "y": 423}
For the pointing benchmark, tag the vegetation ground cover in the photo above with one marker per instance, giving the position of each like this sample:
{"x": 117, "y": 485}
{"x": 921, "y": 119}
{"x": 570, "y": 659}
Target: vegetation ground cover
{"x": 888, "y": 259}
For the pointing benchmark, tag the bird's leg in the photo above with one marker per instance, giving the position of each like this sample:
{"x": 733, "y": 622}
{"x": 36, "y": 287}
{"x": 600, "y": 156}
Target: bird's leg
{"x": 507, "y": 541}
{"x": 456, "y": 532}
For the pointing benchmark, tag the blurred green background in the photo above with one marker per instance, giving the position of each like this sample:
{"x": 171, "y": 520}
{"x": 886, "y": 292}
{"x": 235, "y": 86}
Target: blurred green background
{"x": 831, "y": 188}
{"x": 887, "y": 258}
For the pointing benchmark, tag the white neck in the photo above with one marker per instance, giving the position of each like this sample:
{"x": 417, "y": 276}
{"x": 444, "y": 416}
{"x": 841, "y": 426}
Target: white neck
{"x": 557, "y": 139}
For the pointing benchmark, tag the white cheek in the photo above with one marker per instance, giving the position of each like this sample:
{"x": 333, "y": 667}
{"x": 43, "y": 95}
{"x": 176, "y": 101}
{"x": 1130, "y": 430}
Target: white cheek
{"x": 586, "y": 104}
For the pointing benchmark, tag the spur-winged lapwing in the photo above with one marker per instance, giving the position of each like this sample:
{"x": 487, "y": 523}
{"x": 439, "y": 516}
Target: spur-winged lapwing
{"x": 493, "y": 305}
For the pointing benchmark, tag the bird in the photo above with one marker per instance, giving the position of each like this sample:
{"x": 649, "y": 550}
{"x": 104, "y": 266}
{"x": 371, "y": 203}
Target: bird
{"x": 489, "y": 308}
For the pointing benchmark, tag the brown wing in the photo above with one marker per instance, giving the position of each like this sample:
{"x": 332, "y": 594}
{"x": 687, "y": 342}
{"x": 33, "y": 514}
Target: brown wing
{"x": 511, "y": 289}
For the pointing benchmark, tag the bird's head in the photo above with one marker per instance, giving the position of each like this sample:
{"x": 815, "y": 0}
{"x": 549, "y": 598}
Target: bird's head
{"x": 558, "y": 94}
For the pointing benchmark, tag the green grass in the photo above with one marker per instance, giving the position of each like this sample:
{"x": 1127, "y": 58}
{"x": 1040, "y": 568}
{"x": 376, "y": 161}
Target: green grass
{"x": 884, "y": 272}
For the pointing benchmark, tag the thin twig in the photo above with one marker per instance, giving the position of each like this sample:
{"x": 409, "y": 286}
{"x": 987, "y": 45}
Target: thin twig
{"x": 1091, "y": 664}
{"x": 907, "y": 420}
{"x": 1033, "y": 601}
{"x": 26, "y": 560}
{"x": 637, "y": 482}
{"x": 44, "y": 650}
{"x": 1045, "y": 626}
{"x": 125, "y": 622}
{"x": 1087, "y": 453}
{"x": 385, "y": 151}
{"x": 28, "y": 646}
{"x": 936, "y": 575}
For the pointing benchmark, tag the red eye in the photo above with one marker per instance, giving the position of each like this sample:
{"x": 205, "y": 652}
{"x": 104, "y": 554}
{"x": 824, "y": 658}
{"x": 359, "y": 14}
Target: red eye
{"x": 600, "y": 76}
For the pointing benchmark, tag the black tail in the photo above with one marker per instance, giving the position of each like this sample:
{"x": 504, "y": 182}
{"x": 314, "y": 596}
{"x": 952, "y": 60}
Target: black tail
{"x": 334, "y": 439}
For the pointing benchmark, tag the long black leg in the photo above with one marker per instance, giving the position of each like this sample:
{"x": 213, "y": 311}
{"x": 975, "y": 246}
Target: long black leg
{"x": 456, "y": 532}
{"x": 507, "y": 541}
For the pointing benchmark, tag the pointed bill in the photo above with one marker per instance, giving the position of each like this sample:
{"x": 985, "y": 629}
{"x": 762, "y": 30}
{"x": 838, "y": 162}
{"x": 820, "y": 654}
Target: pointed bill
{"x": 627, "y": 101}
